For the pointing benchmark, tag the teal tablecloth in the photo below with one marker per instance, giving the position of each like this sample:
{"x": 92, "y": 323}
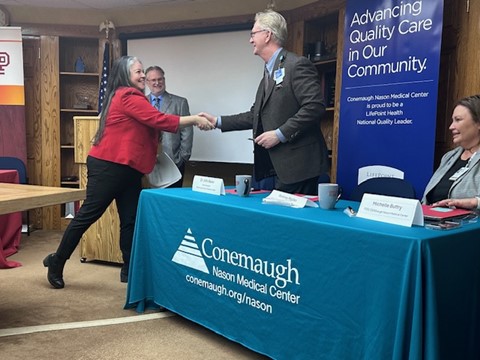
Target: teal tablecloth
{"x": 307, "y": 283}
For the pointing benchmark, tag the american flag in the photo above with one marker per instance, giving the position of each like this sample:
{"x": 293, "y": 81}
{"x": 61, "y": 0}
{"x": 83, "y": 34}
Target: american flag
{"x": 104, "y": 79}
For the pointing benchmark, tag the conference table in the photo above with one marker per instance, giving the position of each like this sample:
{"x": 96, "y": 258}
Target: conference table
{"x": 307, "y": 283}
{"x": 20, "y": 197}
{"x": 15, "y": 198}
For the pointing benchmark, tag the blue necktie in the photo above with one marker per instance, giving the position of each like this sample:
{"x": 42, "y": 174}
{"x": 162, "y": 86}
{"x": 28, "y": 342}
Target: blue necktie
{"x": 157, "y": 102}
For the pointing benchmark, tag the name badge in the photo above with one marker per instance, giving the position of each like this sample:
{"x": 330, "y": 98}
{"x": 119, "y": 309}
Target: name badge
{"x": 391, "y": 209}
{"x": 459, "y": 173}
{"x": 278, "y": 75}
{"x": 208, "y": 184}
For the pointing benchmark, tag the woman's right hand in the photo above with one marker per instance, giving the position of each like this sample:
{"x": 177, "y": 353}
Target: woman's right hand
{"x": 467, "y": 203}
{"x": 203, "y": 123}
{"x": 211, "y": 118}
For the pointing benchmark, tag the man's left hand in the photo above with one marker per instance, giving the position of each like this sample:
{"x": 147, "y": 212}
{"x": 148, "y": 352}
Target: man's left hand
{"x": 267, "y": 140}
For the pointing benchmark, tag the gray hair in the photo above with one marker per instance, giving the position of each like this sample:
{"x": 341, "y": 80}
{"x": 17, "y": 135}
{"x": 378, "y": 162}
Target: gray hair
{"x": 274, "y": 22}
{"x": 155, "y": 67}
{"x": 119, "y": 77}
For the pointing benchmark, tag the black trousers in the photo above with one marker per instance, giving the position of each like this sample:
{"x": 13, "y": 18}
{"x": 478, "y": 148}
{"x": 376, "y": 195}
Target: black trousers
{"x": 106, "y": 181}
{"x": 306, "y": 187}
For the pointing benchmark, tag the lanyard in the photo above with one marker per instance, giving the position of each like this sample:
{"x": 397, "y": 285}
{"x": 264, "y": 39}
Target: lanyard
{"x": 463, "y": 169}
{"x": 470, "y": 160}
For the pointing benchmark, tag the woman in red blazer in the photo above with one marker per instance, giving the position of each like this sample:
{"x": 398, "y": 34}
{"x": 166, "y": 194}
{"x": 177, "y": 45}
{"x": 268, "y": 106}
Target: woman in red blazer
{"x": 124, "y": 149}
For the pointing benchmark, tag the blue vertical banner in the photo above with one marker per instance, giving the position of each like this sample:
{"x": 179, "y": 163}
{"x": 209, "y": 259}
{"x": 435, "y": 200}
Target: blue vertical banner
{"x": 104, "y": 78}
{"x": 388, "y": 102}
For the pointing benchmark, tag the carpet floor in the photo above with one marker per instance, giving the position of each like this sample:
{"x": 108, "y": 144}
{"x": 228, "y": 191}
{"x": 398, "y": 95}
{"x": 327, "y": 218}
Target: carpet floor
{"x": 86, "y": 319}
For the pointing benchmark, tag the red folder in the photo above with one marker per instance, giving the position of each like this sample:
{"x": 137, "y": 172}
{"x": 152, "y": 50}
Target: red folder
{"x": 443, "y": 213}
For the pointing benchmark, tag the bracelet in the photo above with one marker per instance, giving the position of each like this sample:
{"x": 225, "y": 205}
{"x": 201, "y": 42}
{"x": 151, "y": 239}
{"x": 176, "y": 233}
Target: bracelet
{"x": 478, "y": 202}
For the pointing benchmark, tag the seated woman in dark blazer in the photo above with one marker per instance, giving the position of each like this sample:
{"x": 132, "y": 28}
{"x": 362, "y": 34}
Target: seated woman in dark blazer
{"x": 456, "y": 182}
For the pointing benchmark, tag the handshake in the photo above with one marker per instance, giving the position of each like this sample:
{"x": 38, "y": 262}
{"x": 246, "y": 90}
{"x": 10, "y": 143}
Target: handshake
{"x": 205, "y": 121}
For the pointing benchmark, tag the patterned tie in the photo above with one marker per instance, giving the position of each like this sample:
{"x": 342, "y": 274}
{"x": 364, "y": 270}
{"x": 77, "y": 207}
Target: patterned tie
{"x": 157, "y": 102}
{"x": 266, "y": 78}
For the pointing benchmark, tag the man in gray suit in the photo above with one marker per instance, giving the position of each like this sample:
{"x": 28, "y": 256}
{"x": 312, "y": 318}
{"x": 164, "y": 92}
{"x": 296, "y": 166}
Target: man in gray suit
{"x": 285, "y": 118}
{"x": 176, "y": 145}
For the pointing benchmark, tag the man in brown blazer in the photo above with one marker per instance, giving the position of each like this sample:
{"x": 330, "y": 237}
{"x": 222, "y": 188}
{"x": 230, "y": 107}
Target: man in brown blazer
{"x": 285, "y": 118}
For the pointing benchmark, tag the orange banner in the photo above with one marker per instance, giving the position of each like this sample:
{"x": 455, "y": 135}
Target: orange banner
{"x": 12, "y": 95}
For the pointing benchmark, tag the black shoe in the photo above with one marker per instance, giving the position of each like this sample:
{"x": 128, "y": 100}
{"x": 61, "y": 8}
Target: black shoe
{"x": 124, "y": 274}
{"x": 55, "y": 270}
{"x": 123, "y": 278}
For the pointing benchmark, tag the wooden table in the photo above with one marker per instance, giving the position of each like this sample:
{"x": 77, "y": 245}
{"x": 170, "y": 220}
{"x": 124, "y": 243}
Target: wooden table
{"x": 19, "y": 197}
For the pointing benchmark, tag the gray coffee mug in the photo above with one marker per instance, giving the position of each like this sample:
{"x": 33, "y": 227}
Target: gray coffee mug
{"x": 243, "y": 184}
{"x": 328, "y": 195}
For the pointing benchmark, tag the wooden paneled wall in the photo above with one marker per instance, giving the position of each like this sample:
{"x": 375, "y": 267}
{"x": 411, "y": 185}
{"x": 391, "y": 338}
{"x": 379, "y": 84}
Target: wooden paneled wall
{"x": 32, "y": 72}
{"x": 48, "y": 166}
{"x": 467, "y": 75}
{"x": 459, "y": 65}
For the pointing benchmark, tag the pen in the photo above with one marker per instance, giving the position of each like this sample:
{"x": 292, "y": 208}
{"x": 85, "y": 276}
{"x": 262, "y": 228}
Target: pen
{"x": 251, "y": 139}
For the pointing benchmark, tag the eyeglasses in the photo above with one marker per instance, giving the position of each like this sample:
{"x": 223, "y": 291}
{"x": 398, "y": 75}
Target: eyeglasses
{"x": 156, "y": 80}
{"x": 256, "y": 32}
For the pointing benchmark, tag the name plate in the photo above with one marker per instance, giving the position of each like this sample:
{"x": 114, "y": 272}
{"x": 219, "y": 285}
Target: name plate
{"x": 390, "y": 209}
{"x": 208, "y": 185}
{"x": 285, "y": 199}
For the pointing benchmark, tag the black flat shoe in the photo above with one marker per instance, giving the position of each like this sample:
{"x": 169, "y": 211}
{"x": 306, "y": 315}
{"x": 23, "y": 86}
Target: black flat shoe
{"x": 124, "y": 274}
{"x": 55, "y": 271}
{"x": 123, "y": 278}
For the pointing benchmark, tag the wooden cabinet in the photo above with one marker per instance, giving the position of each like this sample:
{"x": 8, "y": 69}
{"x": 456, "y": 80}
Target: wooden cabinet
{"x": 79, "y": 84}
{"x": 327, "y": 71}
{"x": 101, "y": 240}
{"x": 316, "y": 31}
{"x": 52, "y": 105}
{"x": 321, "y": 40}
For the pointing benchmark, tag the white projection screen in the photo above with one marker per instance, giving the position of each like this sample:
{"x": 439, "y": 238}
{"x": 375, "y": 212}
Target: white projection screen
{"x": 217, "y": 73}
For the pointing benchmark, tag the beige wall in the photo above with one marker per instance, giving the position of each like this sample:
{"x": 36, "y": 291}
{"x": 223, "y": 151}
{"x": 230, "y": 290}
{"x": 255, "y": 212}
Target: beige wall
{"x": 200, "y": 9}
